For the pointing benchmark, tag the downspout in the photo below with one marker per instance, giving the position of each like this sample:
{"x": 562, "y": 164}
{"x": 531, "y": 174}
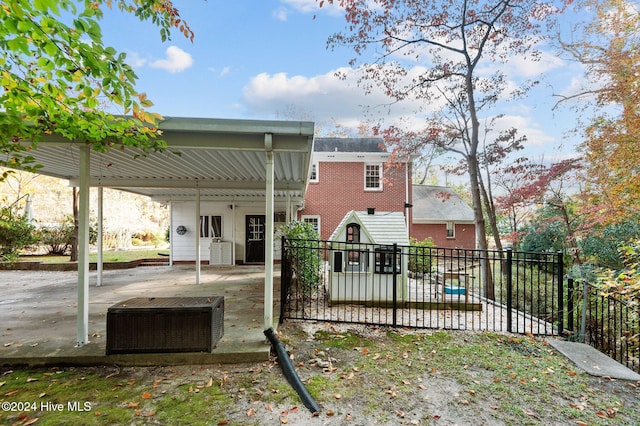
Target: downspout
{"x": 290, "y": 373}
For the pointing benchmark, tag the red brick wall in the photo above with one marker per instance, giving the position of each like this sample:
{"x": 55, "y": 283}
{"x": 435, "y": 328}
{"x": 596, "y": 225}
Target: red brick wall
{"x": 340, "y": 189}
{"x": 465, "y": 235}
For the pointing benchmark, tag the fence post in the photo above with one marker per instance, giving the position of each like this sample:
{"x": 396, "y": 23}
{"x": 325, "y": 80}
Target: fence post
{"x": 394, "y": 265}
{"x": 284, "y": 280}
{"x": 560, "y": 293}
{"x": 509, "y": 269}
{"x": 570, "y": 296}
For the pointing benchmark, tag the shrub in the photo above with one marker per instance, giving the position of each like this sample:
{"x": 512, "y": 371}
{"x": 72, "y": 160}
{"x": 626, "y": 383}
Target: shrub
{"x": 420, "y": 255}
{"x": 15, "y": 234}
{"x": 303, "y": 254}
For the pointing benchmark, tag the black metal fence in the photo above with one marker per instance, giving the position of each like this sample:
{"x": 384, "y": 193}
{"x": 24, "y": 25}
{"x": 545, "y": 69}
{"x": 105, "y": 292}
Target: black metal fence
{"x": 422, "y": 287}
{"x": 605, "y": 321}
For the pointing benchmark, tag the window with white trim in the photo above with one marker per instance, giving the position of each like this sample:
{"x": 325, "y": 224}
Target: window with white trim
{"x": 314, "y": 173}
{"x": 314, "y": 220}
{"x": 451, "y": 230}
{"x": 211, "y": 226}
{"x": 373, "y": 177}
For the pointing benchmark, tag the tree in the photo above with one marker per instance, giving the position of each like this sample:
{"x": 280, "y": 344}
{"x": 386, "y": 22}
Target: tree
{"x": 55, "y": 71}
{"x": 608, "y": 47}
{"x": 552, "y": 189}
{"x": 432, "y": 51}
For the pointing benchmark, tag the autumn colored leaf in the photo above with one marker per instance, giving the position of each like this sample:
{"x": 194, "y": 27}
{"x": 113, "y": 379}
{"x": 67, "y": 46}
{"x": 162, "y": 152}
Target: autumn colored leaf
{"x": 251, "y": 412}
{"x": 145, "y": 395}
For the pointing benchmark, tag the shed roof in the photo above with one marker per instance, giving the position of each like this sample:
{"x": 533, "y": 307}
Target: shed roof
{"x": 223, "y": 158}
{"x": 439, "y": 204}
{"x": 380, "y": 227}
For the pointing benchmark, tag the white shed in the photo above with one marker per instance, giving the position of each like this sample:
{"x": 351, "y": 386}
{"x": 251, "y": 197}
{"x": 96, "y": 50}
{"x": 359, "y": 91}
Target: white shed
{"x": 362, "y": 258}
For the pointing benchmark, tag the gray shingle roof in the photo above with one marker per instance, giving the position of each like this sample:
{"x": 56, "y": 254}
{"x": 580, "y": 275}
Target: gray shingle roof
{"x": 381, "y": 227}
{"x": 439, "y": 204}
{"x": 349, "y": 145}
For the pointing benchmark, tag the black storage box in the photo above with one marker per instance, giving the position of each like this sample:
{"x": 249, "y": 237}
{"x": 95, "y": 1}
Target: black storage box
{"x": 165, "y": 324}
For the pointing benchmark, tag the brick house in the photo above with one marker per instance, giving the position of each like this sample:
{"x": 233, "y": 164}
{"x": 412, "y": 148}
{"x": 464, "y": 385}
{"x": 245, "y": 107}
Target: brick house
{"x": 439, "y": 213}
{"x": 353, "y": 174}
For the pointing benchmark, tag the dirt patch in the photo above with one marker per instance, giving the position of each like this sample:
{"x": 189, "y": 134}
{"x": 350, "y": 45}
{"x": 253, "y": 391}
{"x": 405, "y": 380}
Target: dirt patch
{"x": 360, "y": 376}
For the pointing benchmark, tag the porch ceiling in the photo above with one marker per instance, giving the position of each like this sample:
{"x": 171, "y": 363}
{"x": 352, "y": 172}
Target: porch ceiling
{"x": 225, "y": 159}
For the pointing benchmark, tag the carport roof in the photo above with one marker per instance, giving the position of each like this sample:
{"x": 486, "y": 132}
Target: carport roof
{"x": 223, "y": 158}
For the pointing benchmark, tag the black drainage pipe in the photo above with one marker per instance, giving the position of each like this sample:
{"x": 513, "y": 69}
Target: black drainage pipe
{"x": 290, "y": 373}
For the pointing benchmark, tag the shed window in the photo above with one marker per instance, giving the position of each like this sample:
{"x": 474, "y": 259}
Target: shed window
{"x": 353, "y": 233}
{"x": 357, "y": 260}
{"x": 384, "y": 260}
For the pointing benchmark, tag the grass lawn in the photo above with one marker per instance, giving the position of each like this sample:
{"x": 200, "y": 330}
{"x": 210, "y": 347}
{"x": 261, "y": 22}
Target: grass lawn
{"x": 107, "y": 256}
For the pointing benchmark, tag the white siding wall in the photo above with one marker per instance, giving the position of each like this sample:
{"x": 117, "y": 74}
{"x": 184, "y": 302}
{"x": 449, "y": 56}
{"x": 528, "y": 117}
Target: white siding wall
{"x": 183, "y": 213}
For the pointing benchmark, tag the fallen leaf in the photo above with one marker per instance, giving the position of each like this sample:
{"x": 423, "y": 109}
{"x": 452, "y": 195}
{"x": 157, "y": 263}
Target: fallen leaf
{"x": 528, "y": 412}
{"x": 330, "y": 413}
{"x": 223, "y": 422}
{"x": 269, "y": 407}
{"x": 337, "y": 396}
{"x": 12, "y": 393}
{"x": 251, "y": 412}
{"x": 31, "y": 379}
{"x": 133, "y": 405}
{"x": 31, "y": 421}
{"x": 151, "y": 413}
{"x": 579, "y": 423}
{"x": 284, "y": 420}
{"x": 146, "y": 395}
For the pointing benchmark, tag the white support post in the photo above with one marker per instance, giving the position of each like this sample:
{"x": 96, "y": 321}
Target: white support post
{"x": 288, "y": 209}
{"x": 171, "y": 228}
{"x": 83, "y": 248}
{"x": 198, "y": 267}
{"x": 99, "y": 265}
{"x": 268, "y": 258}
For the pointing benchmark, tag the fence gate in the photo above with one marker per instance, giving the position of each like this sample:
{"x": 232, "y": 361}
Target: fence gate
{"x": 422, "y": 287}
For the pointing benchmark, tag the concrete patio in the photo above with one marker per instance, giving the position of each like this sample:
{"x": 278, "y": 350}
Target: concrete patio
{"x": 38, "y": 314}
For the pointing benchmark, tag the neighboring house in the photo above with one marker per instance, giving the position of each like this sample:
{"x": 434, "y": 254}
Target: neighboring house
{"x": 353, "y": 174}
{"x": 362, "y": 257}
{"x": 440, "y": 214}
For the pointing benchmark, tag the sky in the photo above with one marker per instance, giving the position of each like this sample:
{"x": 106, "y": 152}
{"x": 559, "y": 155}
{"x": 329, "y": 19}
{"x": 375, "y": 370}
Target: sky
{"x": 268, "y": 59}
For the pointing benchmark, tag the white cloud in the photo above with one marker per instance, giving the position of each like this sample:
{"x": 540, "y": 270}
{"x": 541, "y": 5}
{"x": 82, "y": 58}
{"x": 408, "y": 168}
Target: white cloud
{"x": 281, "y": 14}
{"x": 135, "y": 60}
{"x": 326, "y": 97}
{"x": 312, "y": 6}
{"x": 177, "y": 60}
